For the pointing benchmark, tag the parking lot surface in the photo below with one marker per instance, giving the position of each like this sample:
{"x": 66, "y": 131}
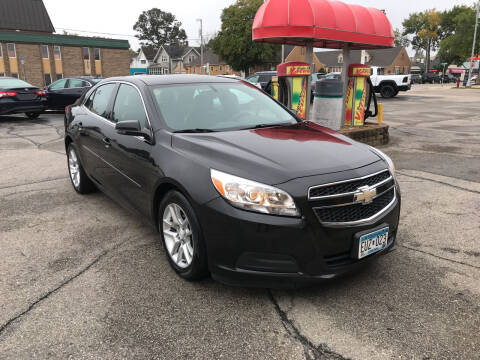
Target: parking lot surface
{"x": 81, "y": 277}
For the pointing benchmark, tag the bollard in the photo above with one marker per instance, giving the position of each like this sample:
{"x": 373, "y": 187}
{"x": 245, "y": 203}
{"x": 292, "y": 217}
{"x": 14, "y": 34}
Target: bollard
{"x": 458, "y": 83}
{"x": 380, "y": 113}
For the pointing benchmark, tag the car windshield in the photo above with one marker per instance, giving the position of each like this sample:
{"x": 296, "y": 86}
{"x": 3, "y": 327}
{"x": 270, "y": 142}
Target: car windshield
{"x": 218, "y": 106}
{"x": 13, "y": 83}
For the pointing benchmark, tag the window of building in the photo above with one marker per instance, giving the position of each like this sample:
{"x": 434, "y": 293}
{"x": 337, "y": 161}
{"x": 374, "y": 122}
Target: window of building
{"x": 48, "y": 79}
{"x": 164, "y": 59}
{"x": 406, "y": 70}
{"x": 14, "y": 75}
{"x": 143, "y": 62}
{"x": 220, "y": 67}
{"x": 59, "y": 76}
{"x": 44, "y": 51}
{"x": 86, "y": 53}
{"x": 340, "y": 59}
{"x": 1, "y": 50}
{"x": 12, "y": 52}
{"x": 99, "y": 104}
{"x": 97, "y": 54}
{"x": 211, "y": 68}
{"x": 59, "y": 84}
{"x": 57, "y": 53}
{"x": 397, "y": 70}
{"x": 129, "y": 106}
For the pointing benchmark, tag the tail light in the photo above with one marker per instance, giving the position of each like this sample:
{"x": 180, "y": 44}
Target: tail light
{"x": 40, "y": 92}
{"x": 67, "y": 108}
{"x": 7, "y": 94}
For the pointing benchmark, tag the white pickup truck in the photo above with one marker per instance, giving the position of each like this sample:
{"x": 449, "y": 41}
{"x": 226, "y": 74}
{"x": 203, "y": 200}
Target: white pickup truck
{"x": 389, "y": 85}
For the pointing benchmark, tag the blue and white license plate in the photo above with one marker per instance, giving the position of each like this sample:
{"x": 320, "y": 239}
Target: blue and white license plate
{"x": 372, "y": 243}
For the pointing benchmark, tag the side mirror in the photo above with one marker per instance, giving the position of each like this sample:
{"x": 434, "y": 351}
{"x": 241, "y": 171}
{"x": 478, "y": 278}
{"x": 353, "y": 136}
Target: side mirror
{"x": 132, "y": 128}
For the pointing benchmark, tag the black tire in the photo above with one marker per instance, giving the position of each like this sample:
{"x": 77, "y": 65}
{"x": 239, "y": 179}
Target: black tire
{"x": 32, "y": 115}
{"x": 396, "y": 93}
{"x": 387, "y": 91}
{"x": 198, "y": 269}
{"x": 85, "y": 185}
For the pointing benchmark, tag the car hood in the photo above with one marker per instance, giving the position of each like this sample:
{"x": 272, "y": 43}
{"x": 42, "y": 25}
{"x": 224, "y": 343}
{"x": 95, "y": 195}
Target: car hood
{"x": 277, "y": 154}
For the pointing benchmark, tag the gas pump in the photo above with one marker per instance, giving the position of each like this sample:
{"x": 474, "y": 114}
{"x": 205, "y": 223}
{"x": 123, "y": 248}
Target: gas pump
{"x": 359, "y": 95}
{"x": 293, "y": 78}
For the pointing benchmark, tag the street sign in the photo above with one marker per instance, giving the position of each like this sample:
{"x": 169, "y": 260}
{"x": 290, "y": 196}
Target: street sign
{"x": 22, "y": 60}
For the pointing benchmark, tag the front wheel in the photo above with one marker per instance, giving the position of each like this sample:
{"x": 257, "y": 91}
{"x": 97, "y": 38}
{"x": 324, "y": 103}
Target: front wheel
{"x": 32, "y": 115}
{"x": 182, "y": 237}
{"x": 387, "y": 91}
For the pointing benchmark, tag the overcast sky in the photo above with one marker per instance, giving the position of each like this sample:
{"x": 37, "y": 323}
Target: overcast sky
{"x": 118, "y": 17}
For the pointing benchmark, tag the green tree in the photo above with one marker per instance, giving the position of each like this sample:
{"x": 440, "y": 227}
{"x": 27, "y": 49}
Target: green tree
{"x": 156, "y": 27}
{"x": 400, "y": 39}
{"x": 457, "y": 27}
{"x": 424, "y": 27}
{"x": 234, "y": 41}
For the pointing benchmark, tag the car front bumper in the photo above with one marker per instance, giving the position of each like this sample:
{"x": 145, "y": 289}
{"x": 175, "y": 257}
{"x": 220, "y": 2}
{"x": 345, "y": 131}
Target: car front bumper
{"x": 251, "y": 249}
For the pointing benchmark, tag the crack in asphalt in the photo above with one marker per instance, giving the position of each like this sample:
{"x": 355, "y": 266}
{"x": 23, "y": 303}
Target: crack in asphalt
{"x": 312, "y": 352}
{"x": 439, "y": 257}
{"x": 34, "y": 182}
{"x": 45, "y": 296}
{"x": 439, "y": 182}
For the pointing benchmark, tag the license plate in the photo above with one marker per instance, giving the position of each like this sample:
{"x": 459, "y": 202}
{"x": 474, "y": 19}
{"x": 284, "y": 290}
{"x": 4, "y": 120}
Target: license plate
{"x": 372, "y": 243}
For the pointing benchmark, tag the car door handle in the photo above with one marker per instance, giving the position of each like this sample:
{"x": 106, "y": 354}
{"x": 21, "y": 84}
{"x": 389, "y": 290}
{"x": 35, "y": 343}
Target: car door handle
{"x": 106, "y": 142}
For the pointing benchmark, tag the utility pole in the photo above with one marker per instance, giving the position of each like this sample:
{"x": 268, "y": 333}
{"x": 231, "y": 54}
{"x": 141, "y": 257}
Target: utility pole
{"x": 201, "y": 45}
{"x": 472, "y": 63}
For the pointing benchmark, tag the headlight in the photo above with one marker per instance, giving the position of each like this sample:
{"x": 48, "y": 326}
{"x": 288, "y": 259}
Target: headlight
{"x": 385, "y": 157}
{"x": 250, "y": 195}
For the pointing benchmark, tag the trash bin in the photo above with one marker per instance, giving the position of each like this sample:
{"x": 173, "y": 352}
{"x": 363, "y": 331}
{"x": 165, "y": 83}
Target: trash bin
{"x": 327, "y": 103}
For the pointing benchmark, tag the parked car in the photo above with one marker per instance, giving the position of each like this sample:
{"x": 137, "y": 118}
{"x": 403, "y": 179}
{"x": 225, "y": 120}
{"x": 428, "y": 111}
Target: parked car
{"x": 66, "y": 91}
{"x": 389, "y": 86}
{"x": 232, "y": 180}
{"x": 262, "y": 79}
{"x": 430, "y": 78}
{"x": 315, "y": 77}
{"x": 416, "y": 78}
{"x": 473, "y": 80}
{"x": 18, "y": 96}
{"x": 448, "y": 78}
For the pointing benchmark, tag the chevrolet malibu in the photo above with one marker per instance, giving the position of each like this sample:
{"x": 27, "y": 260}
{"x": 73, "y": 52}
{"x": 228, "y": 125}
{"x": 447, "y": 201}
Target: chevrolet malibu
{"x": 236, "y": 185}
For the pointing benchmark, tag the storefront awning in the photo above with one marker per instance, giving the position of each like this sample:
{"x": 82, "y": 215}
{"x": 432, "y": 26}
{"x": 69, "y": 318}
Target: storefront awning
{"x": 325, "y": 23}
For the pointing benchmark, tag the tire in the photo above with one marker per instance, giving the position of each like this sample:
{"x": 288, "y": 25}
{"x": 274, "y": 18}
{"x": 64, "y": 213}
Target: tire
{"x": 80, "y": 180}
{"x": 183, "y": 242}
{"x": 387, "y": 91}
{"x": 396, "y": 93}
{"x": 32, "y": 115}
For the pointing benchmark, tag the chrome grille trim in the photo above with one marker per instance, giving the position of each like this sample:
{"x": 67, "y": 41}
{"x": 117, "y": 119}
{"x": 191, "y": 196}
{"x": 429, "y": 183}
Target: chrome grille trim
{"x": 355, "y": 202}
{"x": 343, "y": 182}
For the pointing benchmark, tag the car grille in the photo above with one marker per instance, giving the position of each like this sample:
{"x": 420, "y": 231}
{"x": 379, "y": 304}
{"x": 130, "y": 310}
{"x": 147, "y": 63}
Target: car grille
{"x": 348, "y": 186}
{"x": 353, "y": 201}
{"x": 355, "y": 212}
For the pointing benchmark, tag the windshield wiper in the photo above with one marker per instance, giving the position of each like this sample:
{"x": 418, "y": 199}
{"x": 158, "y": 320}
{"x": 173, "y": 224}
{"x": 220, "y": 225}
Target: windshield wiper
{"x": 191, "y": 131}
{"x": 261, "y": 126}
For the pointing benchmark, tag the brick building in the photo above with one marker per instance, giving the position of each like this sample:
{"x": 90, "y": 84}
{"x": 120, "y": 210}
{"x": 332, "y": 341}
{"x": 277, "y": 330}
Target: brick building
{"x": 30, "y": 50}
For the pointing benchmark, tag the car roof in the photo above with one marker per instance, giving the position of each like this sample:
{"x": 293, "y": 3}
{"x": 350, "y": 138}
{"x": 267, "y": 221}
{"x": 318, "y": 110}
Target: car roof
{"x": 153, "y": 80}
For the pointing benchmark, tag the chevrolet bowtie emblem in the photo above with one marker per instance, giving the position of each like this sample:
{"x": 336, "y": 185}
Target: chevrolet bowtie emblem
{"x": 365, "y": 195}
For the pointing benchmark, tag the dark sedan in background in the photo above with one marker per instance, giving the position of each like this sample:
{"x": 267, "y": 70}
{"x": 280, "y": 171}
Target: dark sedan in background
{"x": 237, "y": 185}
{"x": 18, "y": 96}
{"x": 66, "y": 91}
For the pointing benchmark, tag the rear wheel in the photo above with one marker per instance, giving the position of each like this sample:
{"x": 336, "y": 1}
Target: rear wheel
{"x": 32, "y": 115}
{"x": 80, "y": 181}
{"x": 387, "y": 91}
{"x": 182, "y": 237}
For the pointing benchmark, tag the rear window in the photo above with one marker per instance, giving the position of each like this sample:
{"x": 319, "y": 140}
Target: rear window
{"x": 13, "y": 83}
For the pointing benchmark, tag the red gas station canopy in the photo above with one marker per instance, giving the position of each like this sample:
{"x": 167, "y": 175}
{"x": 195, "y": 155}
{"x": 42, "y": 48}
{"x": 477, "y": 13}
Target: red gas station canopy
{"x": 325, "y": 23}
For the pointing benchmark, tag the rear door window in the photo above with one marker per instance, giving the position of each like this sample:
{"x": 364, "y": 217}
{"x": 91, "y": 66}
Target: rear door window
{"x": 58, "y": 85}
{"x": 77, "y": 83}
{"x": 99, "y": 104}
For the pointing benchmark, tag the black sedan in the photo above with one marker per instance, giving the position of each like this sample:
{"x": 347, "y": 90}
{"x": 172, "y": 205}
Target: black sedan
{"x": 18, "y": 96}
{"x": 237, "y": 186}
{"x": 66, "y": 91}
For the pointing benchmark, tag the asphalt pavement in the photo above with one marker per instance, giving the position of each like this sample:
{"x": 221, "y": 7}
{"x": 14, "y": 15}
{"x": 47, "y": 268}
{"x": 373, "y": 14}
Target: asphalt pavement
{"x": 82, "y": 278}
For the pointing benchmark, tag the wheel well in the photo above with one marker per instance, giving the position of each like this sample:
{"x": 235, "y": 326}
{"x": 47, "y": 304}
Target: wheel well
{"x": 391, "y": 83}
{"x": 161, "y": 191}
{"x": 68, "y": 141}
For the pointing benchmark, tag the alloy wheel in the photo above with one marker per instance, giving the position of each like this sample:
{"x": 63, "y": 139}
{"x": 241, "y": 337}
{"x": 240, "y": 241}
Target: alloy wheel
{"x": 74, "y": 168}
{"x": 178, "y": 236}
